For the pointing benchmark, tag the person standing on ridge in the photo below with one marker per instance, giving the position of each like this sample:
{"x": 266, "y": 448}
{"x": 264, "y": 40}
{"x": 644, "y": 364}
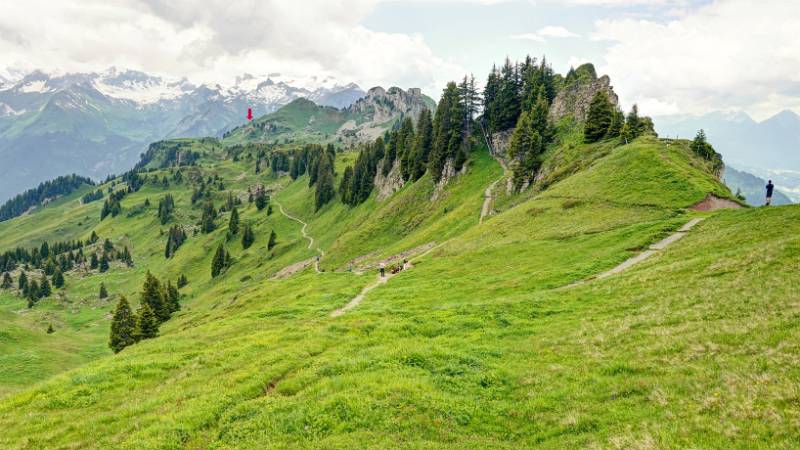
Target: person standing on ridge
{"x": 770, "y": 187}
{"x": 383, "y": 270}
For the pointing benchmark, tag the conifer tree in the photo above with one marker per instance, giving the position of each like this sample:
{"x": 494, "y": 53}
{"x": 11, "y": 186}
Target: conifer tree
{"x": 248, "y": 236}
{"x": 32, "y": 293}
{"x": 447, "y": 131}
{"x": 126, "y": 257}
{"x": 261, "y": 199}
{"x": 272, "y": 240}
{"x": 7, "y": 281}
{"x": 153, "y": 295}
{"x": 103, "y": 292}
{"x": 94, "y": 262}
{"x": 103, "y": 263}
{"x": 617, "y": 122}
{"x": 207, "y": 224}
{"x": 525, "y": 149}
{"x": 50, "y": 329}
{"x": 625, "y": 134}
{"x": 422, "y": 144}
{"x": 233, "y": 223}
{"x": 325, "y": 188}
{"x": 123, "y": 327}
{"x": 22, "y": 282}
{"x": 598, "y": 121}
{"x": 218, "y": 262}
{"x": 633, "y": 122}
{"x": 146, "y": 323}
{"x": 182, "y": 281}
{"x": 346, "y": 185}
{"x": 93, "y": 238}
{"x": 44, "y": 288}
{"x": 173, "y": 298}
{"x": 269, "y": 210}
{"x": 58, "y": 279}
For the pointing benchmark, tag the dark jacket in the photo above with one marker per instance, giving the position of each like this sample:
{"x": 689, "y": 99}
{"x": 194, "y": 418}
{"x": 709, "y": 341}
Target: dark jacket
{"x": 770, "y": 187}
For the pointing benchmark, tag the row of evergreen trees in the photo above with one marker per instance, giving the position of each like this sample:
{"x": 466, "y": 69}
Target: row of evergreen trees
{"x": 606, "y": 121}
{"x": 63, "y": 185}
{"x": 157, "y": 302}
{"x": 515, "y": 88}
{"x": 31, "y": 289}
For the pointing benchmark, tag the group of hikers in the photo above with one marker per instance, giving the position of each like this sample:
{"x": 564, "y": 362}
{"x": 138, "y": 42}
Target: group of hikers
{"x": 394, "y": 269}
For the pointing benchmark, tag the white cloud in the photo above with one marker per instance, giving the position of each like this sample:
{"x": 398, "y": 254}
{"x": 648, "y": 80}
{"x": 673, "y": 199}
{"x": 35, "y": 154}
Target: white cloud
{"x": 215, "y": 40}
{"x": 556, "y": 32}
{"x": 734, "y": 54}
{"x": 549, "y": 31}
{"x": 528, "y": 37}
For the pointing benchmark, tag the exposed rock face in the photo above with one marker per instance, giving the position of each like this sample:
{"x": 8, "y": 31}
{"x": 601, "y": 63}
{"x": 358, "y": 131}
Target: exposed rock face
{"x": 577, "y": 94}
{"x": 448, "y": 173}
{"x": 379, "y": 107}
{"x": 382, "y": 105}
{"x": 389, "y": 184}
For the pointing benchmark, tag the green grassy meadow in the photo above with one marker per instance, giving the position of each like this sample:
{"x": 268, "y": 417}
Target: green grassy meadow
{"x": 480, "y": 345}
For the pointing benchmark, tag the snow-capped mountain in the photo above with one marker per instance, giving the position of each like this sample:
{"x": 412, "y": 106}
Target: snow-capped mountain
{"x": 98, "y": 123}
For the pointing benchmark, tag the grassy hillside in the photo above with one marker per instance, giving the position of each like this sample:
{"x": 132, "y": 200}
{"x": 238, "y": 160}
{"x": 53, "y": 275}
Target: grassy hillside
{"x": 481, "y": 344}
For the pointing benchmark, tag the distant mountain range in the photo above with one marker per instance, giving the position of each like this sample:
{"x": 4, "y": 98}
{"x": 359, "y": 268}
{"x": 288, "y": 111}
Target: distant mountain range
{"x": 768, "y": 149}
{"x": 94, "y": 124}
{"x": 305, "y": 121}
{"x": 752, "y": 187}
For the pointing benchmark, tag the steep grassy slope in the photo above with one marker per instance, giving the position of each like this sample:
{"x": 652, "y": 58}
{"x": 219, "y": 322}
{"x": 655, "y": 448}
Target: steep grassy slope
{"x": 480, "y": 344}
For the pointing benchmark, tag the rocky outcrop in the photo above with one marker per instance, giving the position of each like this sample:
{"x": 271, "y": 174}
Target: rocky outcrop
{"x": 389, "y": 184}
{"x": 448, "y": 173}
{"x": 576, "y": 95}
{"x": 379, "y": 107}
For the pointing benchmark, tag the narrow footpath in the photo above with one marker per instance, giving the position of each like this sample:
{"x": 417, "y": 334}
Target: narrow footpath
{"x": 305, "y": 235}
{"x": 652, "y": 250}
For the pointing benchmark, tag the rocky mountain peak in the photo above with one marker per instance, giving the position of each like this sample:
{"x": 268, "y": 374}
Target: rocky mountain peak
{"x": 580, "y": 86}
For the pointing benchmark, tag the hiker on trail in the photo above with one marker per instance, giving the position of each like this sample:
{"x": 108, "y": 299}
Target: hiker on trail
{"x": 770, "y": 187}
{"x": 383, "y": 270}
{"x": 350, "y": 268}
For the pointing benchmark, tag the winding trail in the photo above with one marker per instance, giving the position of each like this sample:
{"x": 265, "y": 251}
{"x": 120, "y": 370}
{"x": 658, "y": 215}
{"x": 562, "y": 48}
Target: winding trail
{"x": 305, "y": 235}
{"x": 652, "y": 250}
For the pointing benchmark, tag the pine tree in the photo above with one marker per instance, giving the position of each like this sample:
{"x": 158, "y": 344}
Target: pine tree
{"x": 598, "y": 121}
{"x": 405, "y": 147}
{"x": 153, "y": 295}
{"x": 207, "y": 224}
{"x": 146, "y": 323}
{"x": 325, "y": 187}
{"x": 625, "y": 134}
{"x": 173, "y": 298}
{"x": 218, "y": 262}
{"x": 22, "y": 282}
{"x": 126, "y": 257}
{"x": 447, "y": 131}
{"x": 103, "y": 292}
{"x": 346, "y": 185}
{"x": 269, "y": 210}
{"x": 182, "y": 281}
{"x": 525, "y": 148}
{"x": 233, "y": 223}
{"x": 633, "y": 122}
{"x": 50, "y": 329}
{"x": 422, "y": 144}
{"x": 261, "y": 199}
{"x": 44, "y": 288}
{"x": 248, "y": 236}
{"x": 7, "y": 281}
{"x": 272, "y": 240}
{"x": 58, "y": 279}
{"x": 33, "y": 293}
{"x": 94, "y": 262}
{"x": 123, "y": 327}
{"x": 617, "y": 122}
{"x": 103, "y": 263}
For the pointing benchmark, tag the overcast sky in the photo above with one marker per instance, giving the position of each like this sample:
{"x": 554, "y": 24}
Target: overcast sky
{"x": 670, "y": 56}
